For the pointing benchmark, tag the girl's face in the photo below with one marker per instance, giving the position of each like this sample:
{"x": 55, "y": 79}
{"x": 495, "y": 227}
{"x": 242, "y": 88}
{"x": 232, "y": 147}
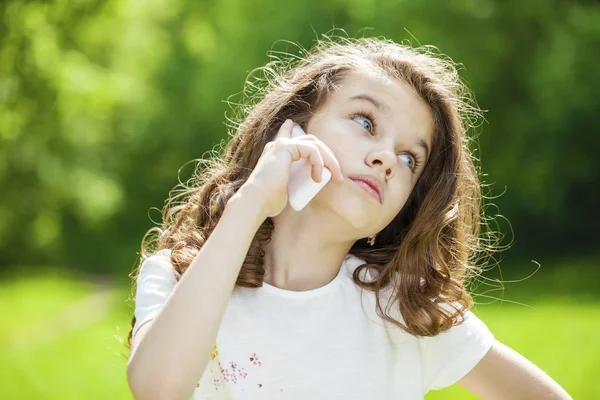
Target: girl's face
{"x": 376, "y": 126}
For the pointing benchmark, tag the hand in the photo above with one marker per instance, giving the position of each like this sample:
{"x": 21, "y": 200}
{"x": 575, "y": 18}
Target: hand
{"x": 268, "y": 181}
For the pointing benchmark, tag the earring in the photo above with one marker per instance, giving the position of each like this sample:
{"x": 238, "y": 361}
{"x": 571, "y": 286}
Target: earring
{"x": 371, "y": 240}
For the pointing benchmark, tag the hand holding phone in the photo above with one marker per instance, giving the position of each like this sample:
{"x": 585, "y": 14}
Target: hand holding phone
{"x": 301, "y": 187}
{"x": 285, "y": 171}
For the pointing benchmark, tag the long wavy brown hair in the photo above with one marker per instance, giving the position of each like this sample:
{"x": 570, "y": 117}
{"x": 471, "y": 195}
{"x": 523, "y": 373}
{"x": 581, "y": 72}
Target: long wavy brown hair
{"x": 428, "y": 252}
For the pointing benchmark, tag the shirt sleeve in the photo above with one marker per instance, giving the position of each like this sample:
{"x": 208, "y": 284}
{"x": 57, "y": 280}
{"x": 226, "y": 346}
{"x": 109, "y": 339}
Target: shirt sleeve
{"x": 155, "y": 283}
{"x": 450, "y": 355}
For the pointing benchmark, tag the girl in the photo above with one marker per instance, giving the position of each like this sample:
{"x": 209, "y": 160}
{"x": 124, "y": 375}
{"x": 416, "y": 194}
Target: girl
{"x": 361, "y": 294}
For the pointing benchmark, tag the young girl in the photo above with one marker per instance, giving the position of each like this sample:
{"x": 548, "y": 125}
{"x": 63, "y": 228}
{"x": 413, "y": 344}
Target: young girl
{"x": 361, "y": 294}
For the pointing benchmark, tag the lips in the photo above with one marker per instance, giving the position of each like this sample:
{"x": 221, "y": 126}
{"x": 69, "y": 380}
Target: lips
{"x": 369, "y": 187}
{"x": 373, "y": 181}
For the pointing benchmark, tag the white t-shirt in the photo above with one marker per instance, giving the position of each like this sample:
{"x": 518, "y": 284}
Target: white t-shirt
{"x": 321, "y": 343}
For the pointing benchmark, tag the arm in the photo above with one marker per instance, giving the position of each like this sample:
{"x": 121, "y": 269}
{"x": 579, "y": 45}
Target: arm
{"x": 505, "y": 374}
{"x": 170, "y": 353}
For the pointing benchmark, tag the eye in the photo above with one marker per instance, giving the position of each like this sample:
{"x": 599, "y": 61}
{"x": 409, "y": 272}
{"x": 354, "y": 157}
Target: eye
{"x": 364, "y": 121}
{"x": 410, "y": 160}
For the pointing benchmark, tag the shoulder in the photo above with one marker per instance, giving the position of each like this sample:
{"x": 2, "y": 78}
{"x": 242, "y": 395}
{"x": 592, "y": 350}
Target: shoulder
{"x": 159, "y": 263}
{"x": 352, "y": 262}
{"x": 155, "y": 282}
{"x": 448, "y": 356}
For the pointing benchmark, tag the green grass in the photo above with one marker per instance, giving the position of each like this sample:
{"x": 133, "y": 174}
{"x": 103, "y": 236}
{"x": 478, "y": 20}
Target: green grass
{"x": 57, "y": 342}
{"x": 561, "y": 339}
{"x": 59, "y": 335}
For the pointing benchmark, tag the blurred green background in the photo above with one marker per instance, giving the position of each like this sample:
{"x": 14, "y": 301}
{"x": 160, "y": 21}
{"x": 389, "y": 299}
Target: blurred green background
{"x": 102, "y": 102}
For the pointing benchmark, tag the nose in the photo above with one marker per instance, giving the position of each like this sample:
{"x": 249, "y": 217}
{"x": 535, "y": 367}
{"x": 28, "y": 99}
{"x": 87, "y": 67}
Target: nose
{"x": 384, "y": 160}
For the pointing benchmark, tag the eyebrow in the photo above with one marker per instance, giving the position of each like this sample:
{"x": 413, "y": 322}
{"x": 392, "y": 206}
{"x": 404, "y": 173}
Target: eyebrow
{"x": 423, "y": 144}
{"x": 371, "y": 100}
{"x": 384, "y": 109}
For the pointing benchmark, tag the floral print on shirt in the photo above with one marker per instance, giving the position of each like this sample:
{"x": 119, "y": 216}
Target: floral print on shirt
{"x": 230, "y": 371}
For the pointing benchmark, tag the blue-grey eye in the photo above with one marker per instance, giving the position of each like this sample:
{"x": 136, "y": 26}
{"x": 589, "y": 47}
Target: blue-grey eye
{"x": 366, "y": 124}
{"x": 410, "y": 162}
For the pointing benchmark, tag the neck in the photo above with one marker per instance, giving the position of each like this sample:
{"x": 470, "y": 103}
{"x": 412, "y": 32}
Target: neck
{"x": 305, "y": 252}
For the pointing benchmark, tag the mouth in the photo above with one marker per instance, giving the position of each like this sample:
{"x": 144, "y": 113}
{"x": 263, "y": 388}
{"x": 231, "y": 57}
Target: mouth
{"x": 368, "y": 188}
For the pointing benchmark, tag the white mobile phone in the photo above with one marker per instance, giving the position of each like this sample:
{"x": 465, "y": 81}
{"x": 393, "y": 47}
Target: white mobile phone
{"x": 301, "y": 187}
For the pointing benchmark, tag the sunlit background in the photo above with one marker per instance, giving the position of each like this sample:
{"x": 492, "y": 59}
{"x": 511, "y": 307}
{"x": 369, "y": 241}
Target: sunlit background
{"x": 102, "y": 102}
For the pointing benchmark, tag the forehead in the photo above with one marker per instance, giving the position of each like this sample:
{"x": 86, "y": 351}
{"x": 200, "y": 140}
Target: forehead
{"x": 392, "y": 94}
{"x": 366, "y": 78}
{"x": 397, "y": 102}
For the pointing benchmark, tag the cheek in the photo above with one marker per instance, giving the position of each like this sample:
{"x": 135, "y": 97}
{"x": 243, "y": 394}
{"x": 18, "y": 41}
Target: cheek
{"x": 348, "y": 159}
{"x": 348, "y": 203}
{"x": 334, "y": 134}
{"x": 398, "y": 196}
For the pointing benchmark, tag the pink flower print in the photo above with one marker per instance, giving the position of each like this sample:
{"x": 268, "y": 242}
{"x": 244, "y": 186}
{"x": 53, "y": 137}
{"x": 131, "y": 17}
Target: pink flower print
{"x": 232, "y": 373}
{"x": 254, "y": 359}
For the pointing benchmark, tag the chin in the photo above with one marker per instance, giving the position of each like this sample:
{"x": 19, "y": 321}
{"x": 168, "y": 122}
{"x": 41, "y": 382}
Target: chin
{"x": 358, "y": 211}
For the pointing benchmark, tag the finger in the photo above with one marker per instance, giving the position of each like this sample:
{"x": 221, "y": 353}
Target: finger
{"x": 329, "y": 160}
{"x": 312, "y": 154}
{"x": 316, "y": 159}
{"x": 331, "y": 163}
{"x": 286, "y": 129}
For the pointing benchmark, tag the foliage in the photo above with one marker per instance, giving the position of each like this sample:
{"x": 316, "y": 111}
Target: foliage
{"x": 101, "y": 103}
